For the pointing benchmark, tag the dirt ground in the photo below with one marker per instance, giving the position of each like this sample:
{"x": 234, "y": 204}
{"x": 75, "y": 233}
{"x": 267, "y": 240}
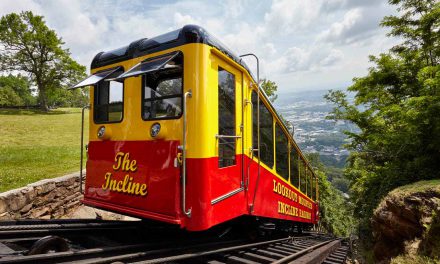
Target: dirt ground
{"x": 86, "y": 212}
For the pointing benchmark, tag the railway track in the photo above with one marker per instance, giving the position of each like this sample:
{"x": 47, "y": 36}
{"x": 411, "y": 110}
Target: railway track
{"x": 97, "y": 241}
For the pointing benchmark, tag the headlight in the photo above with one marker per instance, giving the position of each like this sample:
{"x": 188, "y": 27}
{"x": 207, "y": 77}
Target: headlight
{"x": 101, "y": 132}
{"x": 155, "y": 129}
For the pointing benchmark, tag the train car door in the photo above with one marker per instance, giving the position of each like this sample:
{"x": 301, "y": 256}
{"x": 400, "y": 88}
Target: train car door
{"x": 228, "y": 180}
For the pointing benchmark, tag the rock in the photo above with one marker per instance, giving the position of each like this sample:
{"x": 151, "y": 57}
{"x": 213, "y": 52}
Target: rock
{"x": 69, "y": 182}
{"x": 57, "y": 205}
{"x": 49, "y": 197}
{"x": 414, "y": 200}
{"x": 71, "y": 197}
{"x": 31, "y": 193}
{"x": 26, "y": 208}
{"x": 72, "y": 204}
{"x": 46, "y": 217}
{"x": 17, "y": 202}
{"x": 39, "y": 212}
{"x": 3, "y": 205}
{"x": 5, "y": 216}
{"x": 403, "y": 222}
{"x": 45, "y": 188}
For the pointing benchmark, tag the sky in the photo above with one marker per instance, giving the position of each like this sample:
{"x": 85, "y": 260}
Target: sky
{"x": 302, "y": 44}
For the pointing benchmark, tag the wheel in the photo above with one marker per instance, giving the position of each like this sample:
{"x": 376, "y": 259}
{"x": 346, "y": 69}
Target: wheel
{"x": 49, "y": 244}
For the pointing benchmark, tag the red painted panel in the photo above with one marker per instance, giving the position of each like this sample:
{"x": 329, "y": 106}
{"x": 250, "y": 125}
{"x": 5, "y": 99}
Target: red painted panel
{"x": 154, "y": 167}
{"x": 206, "y": 182}
{"x": 276, "y": 199}
{"x": 138, "y": 163}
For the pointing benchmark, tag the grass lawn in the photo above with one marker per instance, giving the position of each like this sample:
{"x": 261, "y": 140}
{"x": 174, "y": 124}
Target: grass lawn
{"x": 35, "y": 145}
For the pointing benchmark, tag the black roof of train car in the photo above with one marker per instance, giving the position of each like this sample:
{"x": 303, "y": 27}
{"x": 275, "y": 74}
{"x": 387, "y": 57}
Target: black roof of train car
{"x": 141, "y": 47}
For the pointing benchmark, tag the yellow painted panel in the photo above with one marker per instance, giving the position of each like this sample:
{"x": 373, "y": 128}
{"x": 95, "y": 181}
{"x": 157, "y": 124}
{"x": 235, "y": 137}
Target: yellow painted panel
{"x": 201, "y": 64}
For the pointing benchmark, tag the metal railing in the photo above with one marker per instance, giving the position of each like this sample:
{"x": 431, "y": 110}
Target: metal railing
{"x": 183, "y": 148}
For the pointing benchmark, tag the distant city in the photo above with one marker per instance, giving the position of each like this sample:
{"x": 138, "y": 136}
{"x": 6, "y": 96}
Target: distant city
{"x": 314, "y": 133}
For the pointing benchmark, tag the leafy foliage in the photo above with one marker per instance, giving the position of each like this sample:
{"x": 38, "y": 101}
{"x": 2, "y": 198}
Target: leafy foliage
{"x": 29, "y": 46}
{"x": 21, "y": 86}
{"x": 336, "y": 213}
{"x": 9, "y": 97}
{"x": 270, "y": 88}
{"x": 397, "y": 108}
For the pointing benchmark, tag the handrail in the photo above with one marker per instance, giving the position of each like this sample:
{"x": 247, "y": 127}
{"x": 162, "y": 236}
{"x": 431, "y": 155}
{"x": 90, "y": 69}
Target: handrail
{"x": 183, "y": 148}
{"x": 82, "y": 148}
{"x": 258, "y": 127}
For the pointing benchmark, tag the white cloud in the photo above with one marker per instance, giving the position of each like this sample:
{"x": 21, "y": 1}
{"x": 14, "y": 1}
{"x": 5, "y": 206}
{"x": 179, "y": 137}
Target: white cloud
{"x": 333, "y": 57}
{"x": 296, "y": 60}
{"x": 357, "y": 25}
{"x": 182, "y": 20}
{"x": 339, "y": 31}
{"x": 294, "y": 39}
{"x": 288, "y": 16}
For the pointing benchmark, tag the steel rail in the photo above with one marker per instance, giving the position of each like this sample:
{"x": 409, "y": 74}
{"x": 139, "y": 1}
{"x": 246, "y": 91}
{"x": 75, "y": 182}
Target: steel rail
{"x": 95, "y": 242}
{"x": 289, "y": 258}
{"x": 205, "y": 253}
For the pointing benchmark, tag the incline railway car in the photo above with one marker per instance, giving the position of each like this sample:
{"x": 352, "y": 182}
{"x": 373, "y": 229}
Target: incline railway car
{"x": 181, "y": 133}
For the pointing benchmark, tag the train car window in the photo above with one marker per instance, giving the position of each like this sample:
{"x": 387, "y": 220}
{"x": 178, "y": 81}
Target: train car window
{"x": 294, "y": 173}
{"x": 109, "y": 100}
{"x": 282, "y": 152}
{"x": 312, "y": 187}
{"x": 302, "y": 176}
{"x": 162, "y": 91}
{"x": 309, "y": 182}
{"x": 266, "y": 136}
{"x": 226, "y": 118}
{"x": 254, "y": 99}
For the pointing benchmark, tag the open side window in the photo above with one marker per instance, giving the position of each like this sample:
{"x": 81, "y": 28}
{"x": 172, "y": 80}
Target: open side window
{"x": 109, "y": 100}
{"x": 151, "y": 65}
{"x": 97, "y": 77}
{"x": 162, "y": 87}
{"x": 282, "y": 152}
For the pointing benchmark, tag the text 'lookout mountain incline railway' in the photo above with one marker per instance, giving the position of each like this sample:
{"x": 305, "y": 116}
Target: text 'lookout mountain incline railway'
{"x": 180, "y": 132}
{"x": 97, "y": 241}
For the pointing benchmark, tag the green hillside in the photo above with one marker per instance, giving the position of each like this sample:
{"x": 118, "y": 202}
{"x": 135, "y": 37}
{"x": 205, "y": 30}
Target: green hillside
{"x": 37, "y": 145}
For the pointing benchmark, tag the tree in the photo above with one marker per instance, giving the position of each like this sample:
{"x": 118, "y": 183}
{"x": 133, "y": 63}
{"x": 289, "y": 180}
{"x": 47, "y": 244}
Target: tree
{"x": 8, "y": 97}
{"x": 21, "y": 87}
{"x": 336, "y": 213}
{"x": 29, "y": 46}
{"x": 270, "y": 88}
{"x": 396, "y": 107}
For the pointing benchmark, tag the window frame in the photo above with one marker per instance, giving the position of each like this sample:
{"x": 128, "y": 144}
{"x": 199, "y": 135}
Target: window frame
{"x": 294, "y": 156}
{"x": 278, "y": 128}
{"x": 143, "y": 100}
{"x": 219, "y": 68}
{"x": 254, "y": 124}
{"x": 272, "y": 138}
{"x": 95, "y": 98}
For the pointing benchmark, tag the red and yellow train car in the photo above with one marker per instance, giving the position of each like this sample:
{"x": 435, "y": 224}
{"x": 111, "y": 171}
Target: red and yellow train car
{"x": 181, "y": 133}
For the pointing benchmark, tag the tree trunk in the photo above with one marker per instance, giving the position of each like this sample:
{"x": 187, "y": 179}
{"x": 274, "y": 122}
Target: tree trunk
{"x": 42, "y": 98}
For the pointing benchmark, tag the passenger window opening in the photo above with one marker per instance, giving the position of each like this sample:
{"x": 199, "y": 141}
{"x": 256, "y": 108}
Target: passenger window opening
{"x": 294, "y": 171}
{"x": 254, "y": 100}
{"x": 302, "y": 176}
{"x": 282, "y": 152}
{"x": 162, "y": 91}
{"x": 226, "y": 118}
{"x": 109, "y": 100}
{"x": 266, "y": 136}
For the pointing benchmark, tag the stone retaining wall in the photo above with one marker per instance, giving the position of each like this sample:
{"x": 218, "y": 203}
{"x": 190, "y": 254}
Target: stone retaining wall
{"x": 45, "y": 199}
